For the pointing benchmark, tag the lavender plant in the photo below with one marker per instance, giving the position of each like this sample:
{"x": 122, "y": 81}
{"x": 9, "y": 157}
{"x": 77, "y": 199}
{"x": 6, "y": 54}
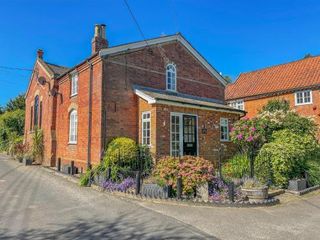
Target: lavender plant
{"x": 123, "y": 186}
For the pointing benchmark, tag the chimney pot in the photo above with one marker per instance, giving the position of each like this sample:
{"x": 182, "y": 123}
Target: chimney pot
{"x": 40, "y": 53}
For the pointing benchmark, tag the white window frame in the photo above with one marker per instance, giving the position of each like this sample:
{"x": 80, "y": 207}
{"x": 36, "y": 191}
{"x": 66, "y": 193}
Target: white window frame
{"x": 224, "y": 122}
{"x": 180, "y": 115}
{"x": 144, "y": 138}
{"x": 74, "y": 84}
{"x": 73, "y": 127}
{"x": 173, "y": 77}
{"x": 237, "y": 104}
{"x": 303, "y": 97}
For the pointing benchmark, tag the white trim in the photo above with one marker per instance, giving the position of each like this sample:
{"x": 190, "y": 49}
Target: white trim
{"x": 228, "y": 131}
{"x": 188, "y": 105}
{"x": 144, "y": 96}
{"x": 146, "y": 112}
{"x": 175, "y": 77}
{"x": 160, "y": 40}
{"x": 180, "y": 115}
{"x": 303, "y": 91}
{"x": 152, "y": 100}
{"x": 236, "y": 104}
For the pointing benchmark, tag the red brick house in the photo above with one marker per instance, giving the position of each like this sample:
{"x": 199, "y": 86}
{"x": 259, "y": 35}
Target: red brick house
{"x": 160, "y": 92}
{"x": 297, "y": 82}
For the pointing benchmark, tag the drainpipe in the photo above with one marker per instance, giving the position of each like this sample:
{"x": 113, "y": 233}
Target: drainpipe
{"x": 89, "y": 115}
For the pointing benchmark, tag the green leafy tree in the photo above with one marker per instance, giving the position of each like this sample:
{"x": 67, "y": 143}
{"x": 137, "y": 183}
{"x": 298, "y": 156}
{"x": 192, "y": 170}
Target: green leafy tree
{"x": 227, "y": 78}
{"x": 16, "y": 103}
{"x": 276, "y": 105}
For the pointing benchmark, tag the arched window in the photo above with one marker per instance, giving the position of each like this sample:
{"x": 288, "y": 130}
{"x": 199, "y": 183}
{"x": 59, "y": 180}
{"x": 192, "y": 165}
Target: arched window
{"x": 73, "y": 129}
{"x": 36, "y": 111}
{"x": 171, "y": 77}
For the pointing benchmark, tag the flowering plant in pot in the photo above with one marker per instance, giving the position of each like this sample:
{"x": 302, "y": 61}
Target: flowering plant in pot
{"x": 254, "y": 190}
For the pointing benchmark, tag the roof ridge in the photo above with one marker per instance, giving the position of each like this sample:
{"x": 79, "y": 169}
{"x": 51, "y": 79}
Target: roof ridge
{"x": 278, "y": 65}
{"x": 56, "y": 65}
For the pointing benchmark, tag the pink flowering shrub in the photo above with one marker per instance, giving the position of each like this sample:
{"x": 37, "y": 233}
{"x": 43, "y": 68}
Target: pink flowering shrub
{"x": 248, "y": 133}
{"x": 194, "y": 171}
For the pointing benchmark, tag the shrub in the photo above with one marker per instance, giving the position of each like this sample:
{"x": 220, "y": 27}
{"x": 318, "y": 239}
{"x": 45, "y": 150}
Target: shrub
{"x": 313, "y": 169}
{"x": 285, "y": 157}
{"x": 120, "y": 156}
{"x": 276, "y": 105}
{"x": 85, "y": 178}
{"x": 237, "y": 167}
{"x": 37, "y": 144}
{"x": 194, "y": 171}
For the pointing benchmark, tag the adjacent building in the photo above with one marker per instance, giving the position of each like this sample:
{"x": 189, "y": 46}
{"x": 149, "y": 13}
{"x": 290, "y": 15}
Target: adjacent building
{"x": 160, "y": 92}
{"x": 297, "y": 82}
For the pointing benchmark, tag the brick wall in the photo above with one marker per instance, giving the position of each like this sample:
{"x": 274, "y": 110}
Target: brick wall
{"x": 78, "y": 152}
{"x": 35, "y": 89}
{"x": 311, "y": 110}
{"x": 146, "y": 67}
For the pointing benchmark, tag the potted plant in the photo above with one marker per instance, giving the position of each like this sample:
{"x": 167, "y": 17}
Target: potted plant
{"x": 254, "y": 190}
{"x": 27, "y": 159}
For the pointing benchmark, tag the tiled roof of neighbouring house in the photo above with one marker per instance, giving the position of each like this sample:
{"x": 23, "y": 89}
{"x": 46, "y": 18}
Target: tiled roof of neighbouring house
{"x": 301, "y": 74}
{"x": 166, "y": 97}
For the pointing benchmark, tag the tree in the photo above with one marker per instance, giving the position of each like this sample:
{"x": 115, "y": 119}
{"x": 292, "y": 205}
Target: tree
{"x": 1, "y": 110}
{"x": 227, "y": 78}
{"x": 307, "y": 55}
{"x": 16, "y": 103}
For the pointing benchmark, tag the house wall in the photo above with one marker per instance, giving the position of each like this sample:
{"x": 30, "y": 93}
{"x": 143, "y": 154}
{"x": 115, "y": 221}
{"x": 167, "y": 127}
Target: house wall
{"x": 146, "y": 67}
{"x": 312, "y": 110}
{"x": 208, "y": 131}
{"x": 47, "y": 112}
{"x": 65, "y": 103}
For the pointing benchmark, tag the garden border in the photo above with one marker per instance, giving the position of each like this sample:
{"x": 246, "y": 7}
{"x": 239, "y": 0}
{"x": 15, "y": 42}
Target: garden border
{"x": 304, "y": 191}
{"x": 185, "y": 202}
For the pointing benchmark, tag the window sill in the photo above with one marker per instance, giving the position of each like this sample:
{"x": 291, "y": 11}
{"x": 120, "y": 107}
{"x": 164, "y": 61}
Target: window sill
{"x": 72, "y": 143}
{"x": 73, "y": 95}
{"x": 225, "y": 140}
{"x": 302, "y": 104}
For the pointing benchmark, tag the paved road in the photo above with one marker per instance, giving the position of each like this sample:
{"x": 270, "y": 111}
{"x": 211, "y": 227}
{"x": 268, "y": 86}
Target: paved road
{"x": 295, "y": 218}
{"x": 35, "y": 204}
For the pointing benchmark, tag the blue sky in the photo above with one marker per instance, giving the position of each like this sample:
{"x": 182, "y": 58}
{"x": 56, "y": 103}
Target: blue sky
{"x": 234, "y": 36}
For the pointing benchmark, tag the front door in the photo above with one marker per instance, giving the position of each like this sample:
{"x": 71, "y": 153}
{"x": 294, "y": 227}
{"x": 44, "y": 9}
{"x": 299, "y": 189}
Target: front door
{"x": 189, "y": 135}
{"x": 183, "y": 135}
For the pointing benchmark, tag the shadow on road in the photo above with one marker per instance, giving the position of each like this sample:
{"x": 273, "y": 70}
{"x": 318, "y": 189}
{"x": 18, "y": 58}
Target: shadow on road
{"x": 121, "y": 228}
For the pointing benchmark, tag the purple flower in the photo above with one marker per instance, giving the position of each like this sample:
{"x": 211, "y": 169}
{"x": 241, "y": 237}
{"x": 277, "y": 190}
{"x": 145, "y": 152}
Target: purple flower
{"x": 253, "y": 129}
{"x": 122, "y": 187}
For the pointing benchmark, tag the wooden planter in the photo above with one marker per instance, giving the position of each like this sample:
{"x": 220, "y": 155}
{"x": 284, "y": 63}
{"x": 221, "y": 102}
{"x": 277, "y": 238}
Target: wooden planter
{"x": 256, "y": 194}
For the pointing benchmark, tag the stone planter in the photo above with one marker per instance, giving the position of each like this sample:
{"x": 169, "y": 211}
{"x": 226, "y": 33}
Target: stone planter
{"x": 297, "y": 184}
{"x": 255, "y": 194}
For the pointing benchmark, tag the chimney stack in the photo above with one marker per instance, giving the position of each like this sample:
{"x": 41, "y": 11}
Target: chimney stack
{"x": 99, "y": 40}
{"x": 40, "y": 53}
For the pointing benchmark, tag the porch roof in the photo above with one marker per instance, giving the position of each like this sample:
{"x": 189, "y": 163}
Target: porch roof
{"x": 153, "y": 96}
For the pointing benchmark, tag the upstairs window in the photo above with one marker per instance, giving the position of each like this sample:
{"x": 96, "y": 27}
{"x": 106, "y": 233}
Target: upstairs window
{"x": 36, "y": 111}
{"x": 73, "y": 128}
{"x": 224, "y": 129}
{"x": 238, "y": 104}
{"x": 146, "y": 128}
{"x": 74, "y": 84}
{"x": 303, "y": 97}
{"x": 171, "y": 77}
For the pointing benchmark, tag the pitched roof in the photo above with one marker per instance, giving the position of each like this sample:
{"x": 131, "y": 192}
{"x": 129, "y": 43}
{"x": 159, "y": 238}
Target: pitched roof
{"x": 301, "y": 74}
{"x": 152, "y": 96}
{"x": 56, "y": 69}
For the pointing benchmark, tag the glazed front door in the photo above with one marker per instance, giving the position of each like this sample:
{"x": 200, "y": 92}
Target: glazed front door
{"x": 189, "y": 135}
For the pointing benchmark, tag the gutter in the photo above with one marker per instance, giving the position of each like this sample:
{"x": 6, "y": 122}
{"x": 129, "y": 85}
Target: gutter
{"x": 89, "y": 115}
